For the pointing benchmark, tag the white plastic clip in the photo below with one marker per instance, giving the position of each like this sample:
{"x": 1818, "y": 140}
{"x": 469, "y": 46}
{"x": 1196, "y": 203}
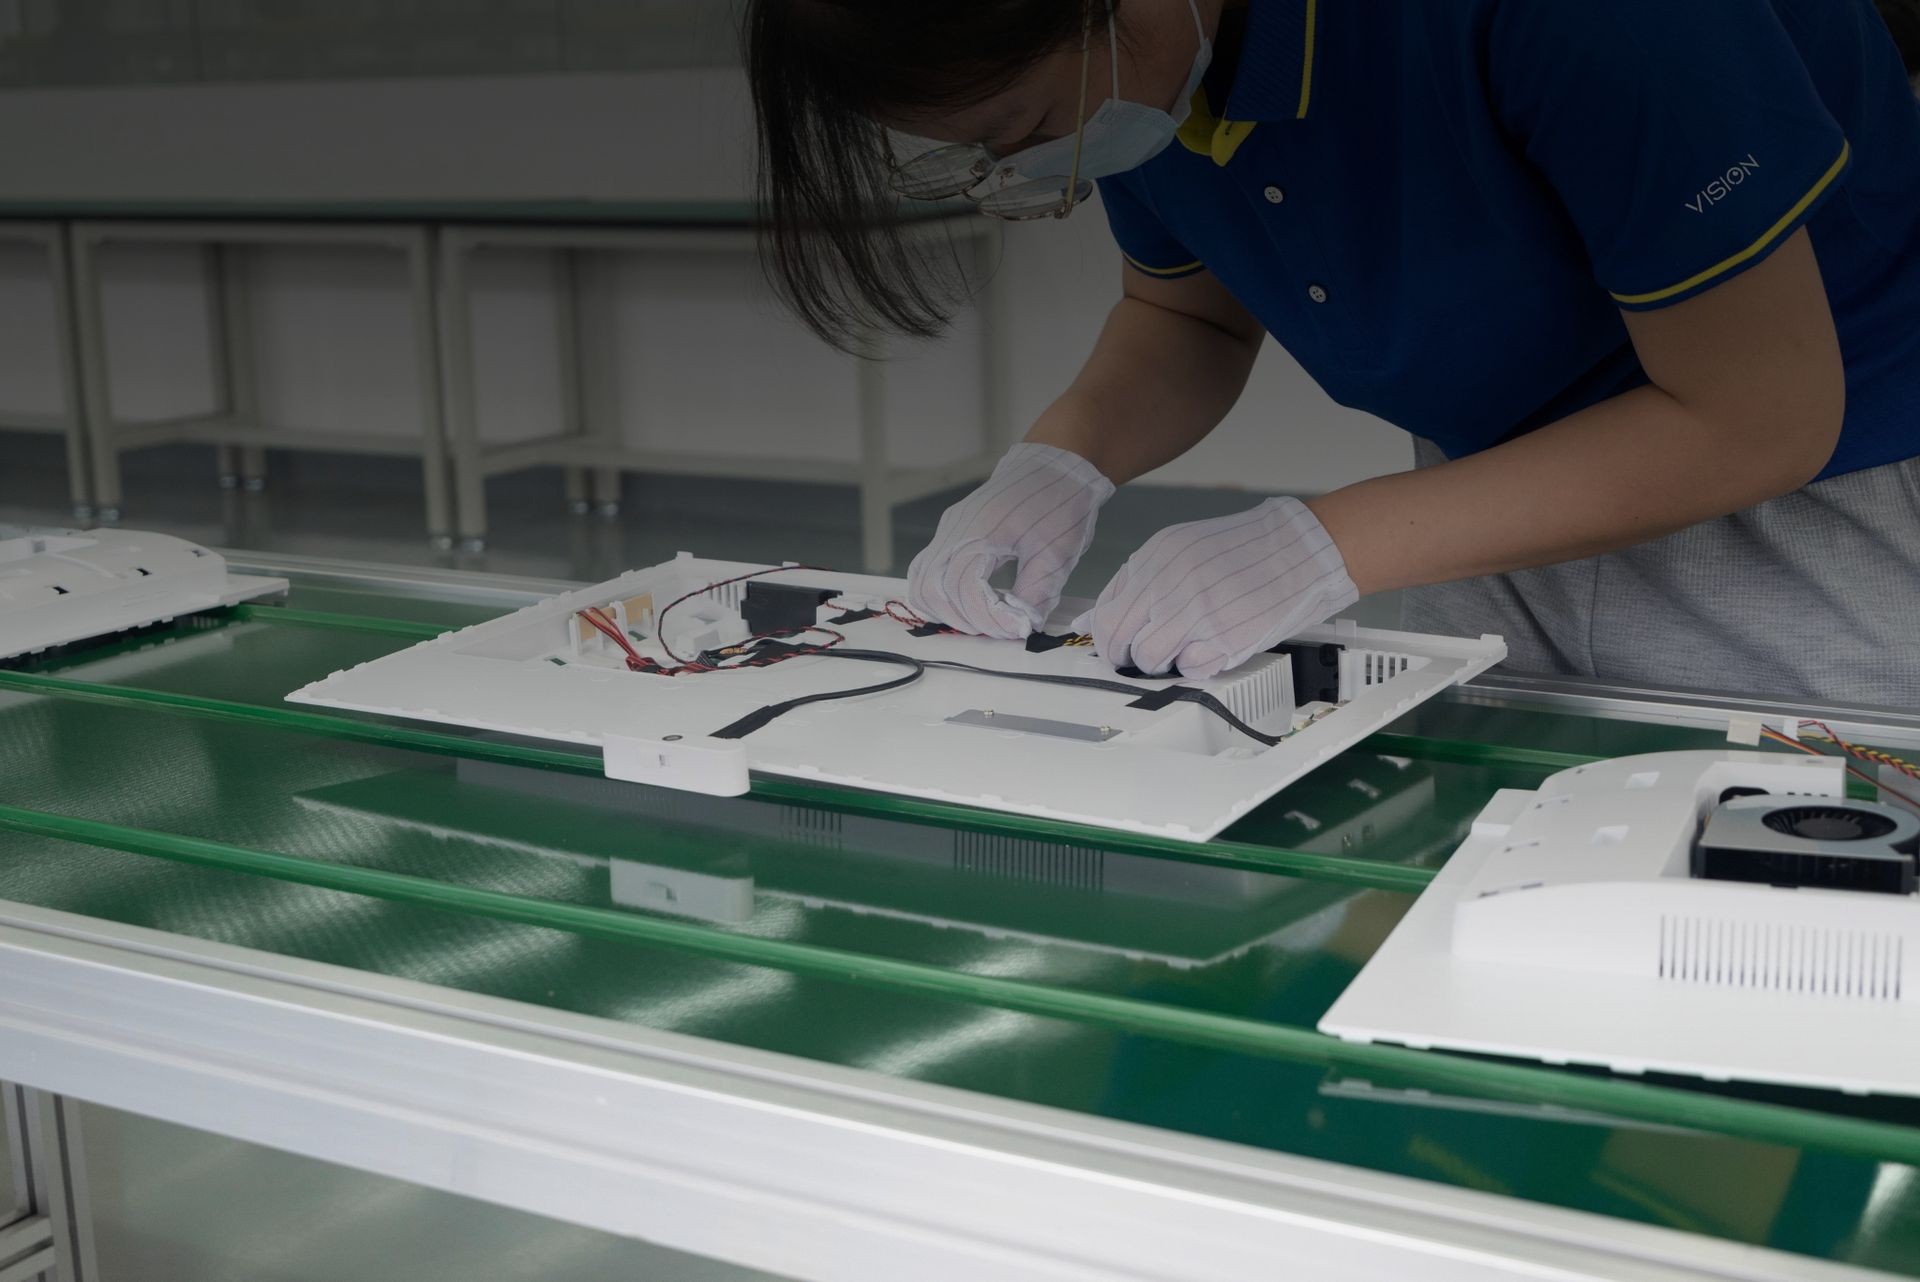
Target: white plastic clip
{"x": 716, "y": 767}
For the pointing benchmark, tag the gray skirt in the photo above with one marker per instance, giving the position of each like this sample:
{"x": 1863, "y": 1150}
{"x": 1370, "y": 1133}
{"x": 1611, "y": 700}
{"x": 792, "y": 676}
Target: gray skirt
{"x": 1814, "y": 595}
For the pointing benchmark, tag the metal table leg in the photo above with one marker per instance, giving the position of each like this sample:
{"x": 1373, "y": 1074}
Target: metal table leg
{"x": 463, "y": 428}
{"x": 574, "y": 419}
{"x": 423, "y": 269}
{"x": 49, "y": 1234}
{"x": 90, "y": 340}
{"x": 240, "y": 465}
{"x": 599, "y": 406}
{"x": 876, "y": 494}
{"x": 79, "y": 458}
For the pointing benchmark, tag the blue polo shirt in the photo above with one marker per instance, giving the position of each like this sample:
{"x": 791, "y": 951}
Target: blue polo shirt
{"x": 1441, "y": 207}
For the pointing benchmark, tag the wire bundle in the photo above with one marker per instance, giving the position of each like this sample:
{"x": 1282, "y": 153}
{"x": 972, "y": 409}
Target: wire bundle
{"x": 1854, "y": 750}
{"x": 721, "y": 660}
{"x": 745, "y": 654}
{"x": 766, "y": 649}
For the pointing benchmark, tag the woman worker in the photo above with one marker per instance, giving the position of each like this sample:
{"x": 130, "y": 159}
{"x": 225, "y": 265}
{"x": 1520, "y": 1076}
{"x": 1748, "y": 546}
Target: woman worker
{"x": 1642, "y": 277}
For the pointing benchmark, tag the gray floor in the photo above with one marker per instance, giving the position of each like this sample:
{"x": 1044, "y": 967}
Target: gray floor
{"x": 369, "y": 509}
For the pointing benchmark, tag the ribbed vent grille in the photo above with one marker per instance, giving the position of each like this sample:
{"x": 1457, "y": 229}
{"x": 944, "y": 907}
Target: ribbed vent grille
{"x": 1799, "y": 959}
{"x": 813, "y": 827}
{"x": 1378, "y": 667}
{"x": 1260, "y": 692}
{"x": 728, "y": 594}
{"x": 1019, "y": 859}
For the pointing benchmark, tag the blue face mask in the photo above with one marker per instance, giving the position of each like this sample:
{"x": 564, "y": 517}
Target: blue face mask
{"x": 1121, "y": 135}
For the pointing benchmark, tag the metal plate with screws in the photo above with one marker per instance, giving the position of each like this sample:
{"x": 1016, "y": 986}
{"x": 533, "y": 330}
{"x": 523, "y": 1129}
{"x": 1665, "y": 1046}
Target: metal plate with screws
{"x": 988, "y": 719}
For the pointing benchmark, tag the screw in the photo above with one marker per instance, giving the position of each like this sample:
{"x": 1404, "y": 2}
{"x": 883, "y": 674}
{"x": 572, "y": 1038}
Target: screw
{"x": 987, "y": 713}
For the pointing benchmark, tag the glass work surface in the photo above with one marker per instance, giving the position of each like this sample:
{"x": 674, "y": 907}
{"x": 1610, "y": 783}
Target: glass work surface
{"x": 1225, "y": 959}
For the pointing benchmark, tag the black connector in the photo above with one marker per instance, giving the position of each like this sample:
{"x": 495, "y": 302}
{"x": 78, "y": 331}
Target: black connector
{"x": 1045, "y": 642}
{"x": 1316, "y": 671}
{"x": 782, "y": 607}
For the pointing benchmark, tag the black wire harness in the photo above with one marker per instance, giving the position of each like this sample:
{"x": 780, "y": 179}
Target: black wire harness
{"x": 768, "y": 649}
{"x": 1147, "y": 699}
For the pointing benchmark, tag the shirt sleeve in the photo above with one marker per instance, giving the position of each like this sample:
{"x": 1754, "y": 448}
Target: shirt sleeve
{"x": 1143, "y": 239}
{"x": 1685, "y": 137}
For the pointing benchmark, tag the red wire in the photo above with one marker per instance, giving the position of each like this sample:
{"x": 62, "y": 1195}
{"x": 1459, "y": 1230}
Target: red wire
{"x": 660, "y": 619}
{"x": 1853, "y": 770}
{"x": 898, "y": 611}
{"x": 1865, "y": 754}
{"x": 636, "y": 661}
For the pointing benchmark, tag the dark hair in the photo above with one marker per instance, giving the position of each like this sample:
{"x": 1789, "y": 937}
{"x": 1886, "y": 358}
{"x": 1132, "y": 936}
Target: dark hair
{"x": 824, "y": 72}
{"x": 1903, "y": 20}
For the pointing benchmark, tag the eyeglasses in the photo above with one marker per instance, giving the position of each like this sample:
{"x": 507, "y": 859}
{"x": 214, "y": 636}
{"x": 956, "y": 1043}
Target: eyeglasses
{"x": 963, "y": 168}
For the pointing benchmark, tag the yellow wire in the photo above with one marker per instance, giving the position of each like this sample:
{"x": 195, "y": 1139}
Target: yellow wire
{"x": 1853, "y": 770}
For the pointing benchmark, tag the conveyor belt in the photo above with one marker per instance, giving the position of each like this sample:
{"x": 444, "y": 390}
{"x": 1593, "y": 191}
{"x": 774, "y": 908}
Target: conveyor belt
{"x": 160, "y": 782}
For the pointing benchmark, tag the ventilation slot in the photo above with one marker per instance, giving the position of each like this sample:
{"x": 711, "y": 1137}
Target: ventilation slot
{"x": 1796, "y": 959}
{"x": 1379, "y": 666}
{"x": 813, "y": 827}
{"x": 1018, "y": 859}
{"x": 727, "y": 594}
{"x": 1363, "y": 669}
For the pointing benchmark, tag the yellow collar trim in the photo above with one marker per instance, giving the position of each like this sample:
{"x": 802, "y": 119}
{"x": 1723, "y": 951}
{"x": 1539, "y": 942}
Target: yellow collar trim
{"x": 1306, "y": 64}
{"x": 1205, "y": 134}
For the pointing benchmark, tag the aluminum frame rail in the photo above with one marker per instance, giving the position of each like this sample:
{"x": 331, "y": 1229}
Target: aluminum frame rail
{"x": 819, "y": 1173}
{"x": 46, "y": 1231}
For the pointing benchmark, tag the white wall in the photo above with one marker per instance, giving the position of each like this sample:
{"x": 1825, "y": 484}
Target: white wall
{"x": 698, "y": 356}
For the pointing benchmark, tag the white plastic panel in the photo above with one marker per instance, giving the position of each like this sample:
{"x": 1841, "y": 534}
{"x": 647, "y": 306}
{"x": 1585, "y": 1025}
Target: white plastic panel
{"x": 62, "y": 586}
{"x": 1567, "y": 929}
{"x": 1178, "y": 771}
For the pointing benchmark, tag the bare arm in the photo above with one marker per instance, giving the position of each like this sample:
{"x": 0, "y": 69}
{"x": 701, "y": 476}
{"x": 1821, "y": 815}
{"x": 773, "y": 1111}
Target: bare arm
{"x": 1748, "y": 390}
{"x": 1172, "y": 360}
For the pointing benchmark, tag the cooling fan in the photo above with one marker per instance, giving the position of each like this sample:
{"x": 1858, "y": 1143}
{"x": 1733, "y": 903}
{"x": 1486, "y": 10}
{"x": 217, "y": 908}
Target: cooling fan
{"x": 1839, "y": 845}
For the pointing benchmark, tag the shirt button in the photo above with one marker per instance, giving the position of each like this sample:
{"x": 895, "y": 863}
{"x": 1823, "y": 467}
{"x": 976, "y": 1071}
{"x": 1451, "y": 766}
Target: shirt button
{"x": 1275, "y": 195}
{"x": 1317, "y": 293}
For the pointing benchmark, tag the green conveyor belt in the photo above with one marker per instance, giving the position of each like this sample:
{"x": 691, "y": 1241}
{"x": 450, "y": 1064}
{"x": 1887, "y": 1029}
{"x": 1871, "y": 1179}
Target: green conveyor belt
{"x": 160, "y": 781}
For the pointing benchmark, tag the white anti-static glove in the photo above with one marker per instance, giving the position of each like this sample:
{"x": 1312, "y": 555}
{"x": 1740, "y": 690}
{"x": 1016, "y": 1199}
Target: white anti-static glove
{"x": 1037, "y": 508}
{"x": 1209, "y": 595}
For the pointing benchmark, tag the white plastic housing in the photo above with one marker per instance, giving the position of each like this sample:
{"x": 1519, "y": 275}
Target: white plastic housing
{"x": 60, "y": 587}
{"x": 1567, "y": 929}
{"x": 1176, "y": 771}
